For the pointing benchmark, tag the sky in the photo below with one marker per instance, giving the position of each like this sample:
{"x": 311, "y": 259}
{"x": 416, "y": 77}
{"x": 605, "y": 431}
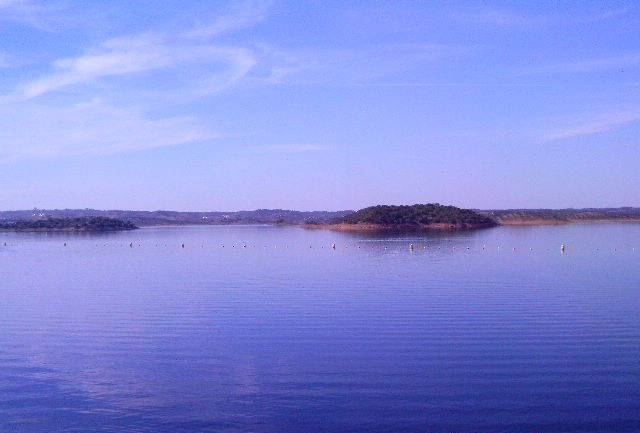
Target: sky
{"x": 318, "y": 105}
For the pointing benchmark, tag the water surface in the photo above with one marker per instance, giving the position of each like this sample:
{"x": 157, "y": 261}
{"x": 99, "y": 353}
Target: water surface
{"x": 269, "y": 329}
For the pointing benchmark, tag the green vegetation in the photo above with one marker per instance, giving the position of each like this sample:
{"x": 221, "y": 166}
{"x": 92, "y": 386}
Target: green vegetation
{"x": 409, "y": 216}
{"x": 563, "y": 216}
{"x": 93, "y": 224}
{"x": 418, "y": 215}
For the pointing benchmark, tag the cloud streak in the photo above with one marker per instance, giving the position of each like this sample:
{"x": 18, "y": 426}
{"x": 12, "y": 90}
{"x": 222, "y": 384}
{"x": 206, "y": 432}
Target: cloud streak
{"x": 288, "y": 148}
{"x": 90, "y": 129}
{"x": 136, "y": 55}
{"x": 509, "y": 19}
{"x": 584, "y": 66}
{"x": 101, "y": 101}
{"x": 597, "y": 125}
{"x": 37, "y": 15}
{"x": 242, "y": 15}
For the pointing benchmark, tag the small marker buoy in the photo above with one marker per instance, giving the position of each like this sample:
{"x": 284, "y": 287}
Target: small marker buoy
{"x": 183, "y": 245}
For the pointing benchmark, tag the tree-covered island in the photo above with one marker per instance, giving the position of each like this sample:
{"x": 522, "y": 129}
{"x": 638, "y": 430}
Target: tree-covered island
{"x": 88, "y": 224}
{"x": 414, "y": 217}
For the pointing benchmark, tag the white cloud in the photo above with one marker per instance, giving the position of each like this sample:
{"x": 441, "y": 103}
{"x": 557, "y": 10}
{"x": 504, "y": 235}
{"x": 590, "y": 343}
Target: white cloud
{"x": 376, "y": 64}
{"x": 126, "y": 78}
{"x": 617, "y": 62}
{"x": 35, "y": 14}
{"x": 596, "y": 125}
{"x": 138, "y": 54}
{"x": 510, "y": 19}
{"x": 89, "y": 129}
{"x": 242, "y": 15}
{"x": 288, "y": 148}
{"x": 115, "y": 57}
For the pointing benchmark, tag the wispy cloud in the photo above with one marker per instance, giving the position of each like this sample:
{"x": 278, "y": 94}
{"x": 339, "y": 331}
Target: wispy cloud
{"x": 241, "y": 15}
{"x": 35, "y": 14}
{"x": 89, "y": 129}
{"x": 288, "y": 148}
{"x": 599, "y": 124}
{"x": 100, "y": 101}
{"x": 616, "y": 62}
{"x": 504, "y": 18}
{"x": 507, "y": 18}
{"x": 603, "y": 16}
{"x": 115, "y": 57}
{"x": 138, "y": 54}
{"x": 368, "y": 65}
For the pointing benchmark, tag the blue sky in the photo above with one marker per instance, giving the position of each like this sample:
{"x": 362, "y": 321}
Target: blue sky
{"x": 314, "y": 105}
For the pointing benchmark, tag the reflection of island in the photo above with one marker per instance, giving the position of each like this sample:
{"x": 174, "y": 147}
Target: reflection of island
{"x": 406, "y": 218}
{"x": 92, "y": 224}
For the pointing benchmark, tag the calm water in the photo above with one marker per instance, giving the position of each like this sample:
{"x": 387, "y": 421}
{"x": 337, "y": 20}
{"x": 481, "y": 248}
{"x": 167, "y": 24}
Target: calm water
{"x": 265, "y": 329}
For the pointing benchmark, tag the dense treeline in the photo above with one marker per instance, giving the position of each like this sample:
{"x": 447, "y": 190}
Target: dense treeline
{"x": 418, "y": 214}
{"x": 68, "y": 224}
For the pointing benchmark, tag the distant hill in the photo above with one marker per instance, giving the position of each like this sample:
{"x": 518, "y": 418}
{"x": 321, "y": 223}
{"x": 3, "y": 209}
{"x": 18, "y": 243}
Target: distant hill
{"x": 418, "y": 216}
{"x": 562, "y": 216}
{"x": 415, "y": 216}
{"x": 154, "y": 218}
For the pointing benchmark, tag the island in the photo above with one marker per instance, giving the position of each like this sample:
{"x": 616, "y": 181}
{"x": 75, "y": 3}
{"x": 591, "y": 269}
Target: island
{"x": 65, "y": 224}
{"x": 417, "y": 217}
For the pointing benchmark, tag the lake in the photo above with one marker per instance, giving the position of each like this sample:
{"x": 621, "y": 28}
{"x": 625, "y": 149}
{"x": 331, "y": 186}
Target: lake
{"x": 270, "y": 329}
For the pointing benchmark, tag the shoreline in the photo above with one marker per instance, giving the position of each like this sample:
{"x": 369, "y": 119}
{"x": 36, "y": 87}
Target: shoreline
{"x": 549, "y": 222}
{"x": 371, "y": 228}
{"x": 354, "y": 228}
{"x": 69, "y": 230}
